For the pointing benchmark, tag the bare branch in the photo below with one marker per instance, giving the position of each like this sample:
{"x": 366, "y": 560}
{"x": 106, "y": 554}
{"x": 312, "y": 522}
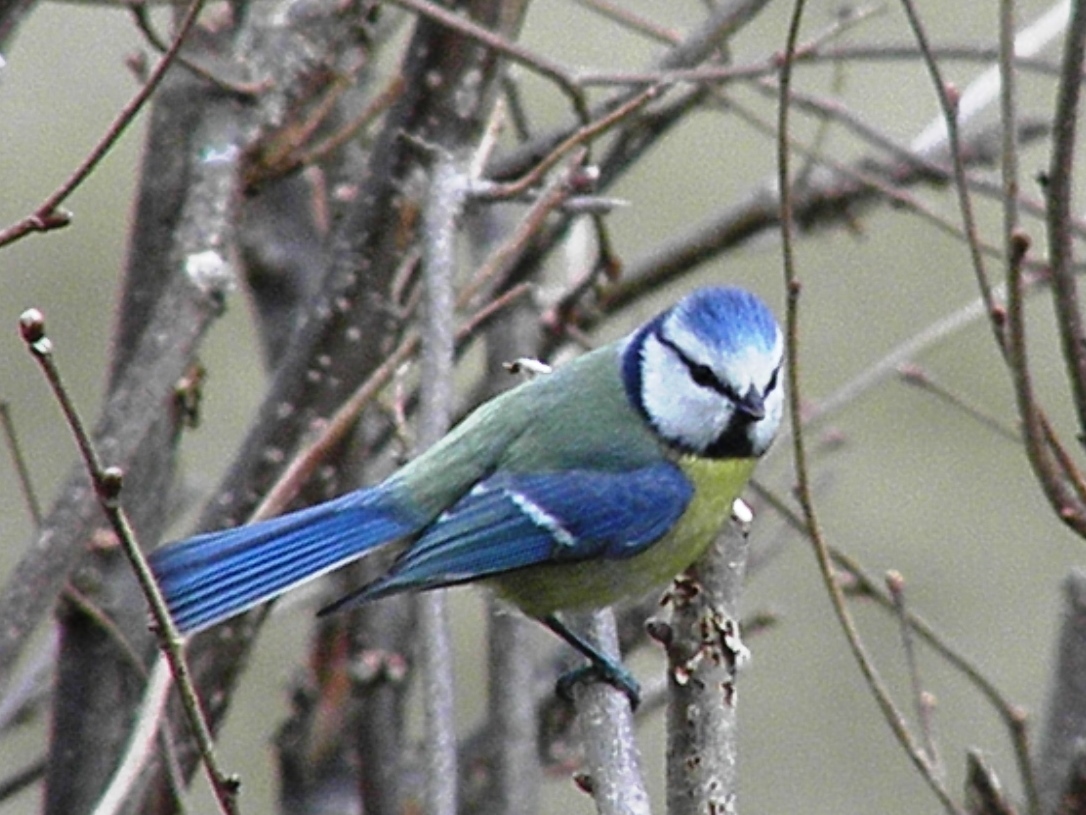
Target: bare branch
{"x": 705, "y": 654}
{"x": 1060, "y": 188}
{"x": 448, "y": 192}
{"x": 107, "y": 484}
{"x": 48, "y": 215}
{"x": 612, "y": 765}
{"x": 803, "y": 481}
{"x": 1059, "y": 743}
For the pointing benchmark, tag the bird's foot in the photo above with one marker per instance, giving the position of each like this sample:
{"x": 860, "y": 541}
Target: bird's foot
{"x": 612, "y": 673}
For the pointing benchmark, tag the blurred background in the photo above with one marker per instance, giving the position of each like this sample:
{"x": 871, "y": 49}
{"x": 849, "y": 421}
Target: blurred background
{"x": 904, "y": 480}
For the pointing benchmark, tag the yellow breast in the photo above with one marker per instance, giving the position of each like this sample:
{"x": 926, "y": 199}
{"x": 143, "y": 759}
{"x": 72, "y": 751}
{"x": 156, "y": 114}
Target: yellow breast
{"x": 542, "y": 590}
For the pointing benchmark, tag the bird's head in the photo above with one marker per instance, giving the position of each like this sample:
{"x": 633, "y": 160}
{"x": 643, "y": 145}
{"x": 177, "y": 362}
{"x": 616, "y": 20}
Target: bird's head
{"x": 706, "y": 373}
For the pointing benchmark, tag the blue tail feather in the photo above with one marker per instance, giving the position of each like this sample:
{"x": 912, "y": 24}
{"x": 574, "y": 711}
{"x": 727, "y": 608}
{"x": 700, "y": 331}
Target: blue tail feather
{"x": 211, "y": 577}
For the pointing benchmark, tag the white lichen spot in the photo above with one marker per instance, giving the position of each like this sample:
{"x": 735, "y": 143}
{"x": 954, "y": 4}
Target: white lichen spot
{"x": 313, "y": 376}
{"x": 433, "y": 79}
{"x": 342, "y": 304}
{"x": 353, "y": 334}
{"x": 284, "y": 410}
{"x": 210, "y": 272}
{"x": 324, "y": 361}
{"x": 466, "y": 98}
{"x": 733, "y": 642}
{"x": 221, "y": 154}
{"x": 274, "y": 455}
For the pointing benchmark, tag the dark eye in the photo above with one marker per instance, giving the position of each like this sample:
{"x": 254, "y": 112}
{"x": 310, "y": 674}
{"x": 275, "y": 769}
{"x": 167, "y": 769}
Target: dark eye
{"x": 703, "y": 375}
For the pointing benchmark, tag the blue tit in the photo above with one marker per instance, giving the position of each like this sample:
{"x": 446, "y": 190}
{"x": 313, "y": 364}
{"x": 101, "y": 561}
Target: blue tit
{"x": 600, "y": 481}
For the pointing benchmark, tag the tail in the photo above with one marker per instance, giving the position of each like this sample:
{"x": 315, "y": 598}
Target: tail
{"x": 211, "y": 577}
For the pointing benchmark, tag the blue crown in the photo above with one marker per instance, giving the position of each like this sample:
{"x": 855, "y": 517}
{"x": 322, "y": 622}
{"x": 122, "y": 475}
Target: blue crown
{"x": 732, "y": 320}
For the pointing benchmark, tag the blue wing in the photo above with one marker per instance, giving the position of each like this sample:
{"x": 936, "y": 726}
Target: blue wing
{"x": 514, "y": 520}
{"x": 211, "y": 577}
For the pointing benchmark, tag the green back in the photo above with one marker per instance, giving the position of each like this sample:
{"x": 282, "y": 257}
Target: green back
{"x": 577, "y": 417}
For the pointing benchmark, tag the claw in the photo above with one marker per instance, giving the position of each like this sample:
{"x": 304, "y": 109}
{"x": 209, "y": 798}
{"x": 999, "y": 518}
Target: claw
{"x": 611, "y": 673}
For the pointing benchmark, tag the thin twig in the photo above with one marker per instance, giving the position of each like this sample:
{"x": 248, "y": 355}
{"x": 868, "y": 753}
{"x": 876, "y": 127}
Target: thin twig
{"x": 243, "y": 90}
{"x": 47, "y": 216}
{"x": 869, "y": 586}
{"x": 948, "y": 103}
{"x": 982, "y": 92}
{"x": 759, "y": 211}
{"x": 22, "y": 472}
{"x": 107, "y": 483}
{"x": 920, "y": 378}
{"x": 374, "y": 108}
{"x": 1039, "y": 439}
{"x": 21, "y": 779}
{"x": 892, "y": 362}
{"x": 618, "y": 13}
{"x": 1061, "y": 186}
{"x": 501, "y": 260}
{"x": 945, "y": 52}
{"x": 143, "y": 735}
{"x": 583, "y": 135}
{"x": 723, "y": 74}
{"x": 514, "y": 51}
{"x": 911, "y": 164}
{"x": 803, "y": 483}
{"x": 106, "y": 623}
{"x": 922, "y": 700}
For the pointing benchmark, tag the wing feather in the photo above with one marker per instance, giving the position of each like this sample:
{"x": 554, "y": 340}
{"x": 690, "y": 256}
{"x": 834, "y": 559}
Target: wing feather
{"x": 515, "y": 520}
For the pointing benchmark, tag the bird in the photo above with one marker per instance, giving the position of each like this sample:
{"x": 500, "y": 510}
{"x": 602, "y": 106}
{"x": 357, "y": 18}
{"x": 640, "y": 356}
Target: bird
{"x": 599, "y": 481}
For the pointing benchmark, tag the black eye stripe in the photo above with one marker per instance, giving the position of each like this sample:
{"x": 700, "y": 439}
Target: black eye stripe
{"x": 772, "y": 384}
{"x": 702, "y": 375}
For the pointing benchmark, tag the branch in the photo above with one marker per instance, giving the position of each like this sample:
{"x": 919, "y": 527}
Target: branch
{"x": 48, "y": 214}
{"x": 130, "y": 415}
{"x": 448, "y": 191}
{"x": 374, "y": 242}
{"x": 612, "y": 766}
{"x": 804, "y": 492}
{"x": 1061, "y": 185}
{"x": 1060, "y": 740}
{"x": 107, "y": 484}
{"x": 705, "y": 654}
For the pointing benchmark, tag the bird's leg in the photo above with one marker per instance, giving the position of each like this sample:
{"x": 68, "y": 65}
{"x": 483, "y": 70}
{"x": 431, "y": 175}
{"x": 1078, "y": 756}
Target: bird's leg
{"x": 600, "y": 667}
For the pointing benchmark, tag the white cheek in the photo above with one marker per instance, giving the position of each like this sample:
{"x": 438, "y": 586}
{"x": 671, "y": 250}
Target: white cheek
{"x": 762, "y": 433}
{"x": 681, "y": 410}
